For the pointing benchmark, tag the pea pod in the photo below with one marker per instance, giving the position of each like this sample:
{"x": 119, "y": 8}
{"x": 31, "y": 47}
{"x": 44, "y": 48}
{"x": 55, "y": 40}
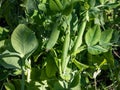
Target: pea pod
{"x": 59, "y": 4}
{"x": 78, "y": 42}
{"x": 53, "y": 37}
{"x": 65, "y": 58}
{"x": 55, "y": 5}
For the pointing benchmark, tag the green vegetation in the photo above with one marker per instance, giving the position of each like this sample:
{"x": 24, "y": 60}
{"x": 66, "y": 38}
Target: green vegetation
{"x": 59, "y": 44}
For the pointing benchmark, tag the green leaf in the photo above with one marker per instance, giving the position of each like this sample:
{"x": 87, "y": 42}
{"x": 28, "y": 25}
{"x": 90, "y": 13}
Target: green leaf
{"x": 113, "y": 5}
{"x": 106, "y": 37}
{"x": 77, "y": 87}
{"x": 68, "y": 8}
{"x": 93, "y": 35}
{"x": 109, "y": 57}
{"x": 23, "y": 40}
{"x": 51, "y": 67}
{"x": 76, "y": 80}
{"x": 30, "y": 6}
{"x": 9, "y": 86}
{"x": 10, "y": 60}
{"x": 17, "y": 83}
{"x": 3, "y": 73}
{"x": 60, "y": 85}
{"x": 35, "y": 74}
{"x": 95, "y": 50}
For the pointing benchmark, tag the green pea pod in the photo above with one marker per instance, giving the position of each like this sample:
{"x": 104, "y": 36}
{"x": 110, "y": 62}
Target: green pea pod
{"x": 55, "y": 5}
{"x": 53, "y": 37}
{"x": 80, "y": 36}
{"x": 59, "y": 4}
{"x": 65, "y": 57}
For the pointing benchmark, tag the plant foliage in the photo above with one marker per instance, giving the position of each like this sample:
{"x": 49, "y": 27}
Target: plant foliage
{"x": 59, "y": 44}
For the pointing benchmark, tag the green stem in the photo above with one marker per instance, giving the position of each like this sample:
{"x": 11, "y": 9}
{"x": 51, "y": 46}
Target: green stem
{"x": 80, "y": 36}
{"x": 23, "y": 76}
{"x": 95, "y": 84}
{"x": 28, "y": 72}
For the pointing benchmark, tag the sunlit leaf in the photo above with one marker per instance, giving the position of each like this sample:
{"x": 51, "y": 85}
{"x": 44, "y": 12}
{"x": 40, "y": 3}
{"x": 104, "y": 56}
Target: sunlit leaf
{"x": 106, "y": 37}
{"x": 93, "y": 35}
{"x": 10, "y": 60}
{"x": 95, "y": 50}
{"x": 110, "y": 58}
{"x": 30, "y": 6}
{"x": 24, "y": 40}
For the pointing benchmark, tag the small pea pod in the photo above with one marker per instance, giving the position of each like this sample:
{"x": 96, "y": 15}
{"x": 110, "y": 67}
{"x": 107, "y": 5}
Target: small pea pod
{"x": 78, "y": 41}
{"x": 53, "y": 37}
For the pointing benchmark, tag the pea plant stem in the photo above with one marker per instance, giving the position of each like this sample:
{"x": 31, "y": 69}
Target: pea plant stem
{"x": 23, "y": 76}
{"x": 95, "y": 82}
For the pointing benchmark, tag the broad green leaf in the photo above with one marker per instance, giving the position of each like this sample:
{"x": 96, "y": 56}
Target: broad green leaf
{"x": 95, "y": 50}
{"x": 8, "y": 10}
{"x": 23, "y": 40}
{"x": 9, "y": 86}
{"x": 30, "y": 6}
{"x": 93, "y": 35}
{"x": 113, "y": 5}
{"x": 109, "y": 57}
{"x": 80, "y": 66}
{"x": 3, "y": 73}
{"x": 115, "y": 36}
{"x": 35, "y": 74}
{"x": 60, "y": 85}
{"x": 92, "y": 59}
{"x": 32, "y": 86}
{"x": 17, "y": 83}
{"x": 10, "y": 60}
{"x": 106, "y": 37}
{"x": 35, "y": 85}
{"x": 68, "y": 8}
{"x": 76, "y": 80}
{"x": 77, "y": 87}
{"x": 51, "y": 67}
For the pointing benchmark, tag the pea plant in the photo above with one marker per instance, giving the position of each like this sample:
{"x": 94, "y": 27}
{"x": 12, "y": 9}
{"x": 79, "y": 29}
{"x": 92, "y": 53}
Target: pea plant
{"x": 59, "y": 44}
